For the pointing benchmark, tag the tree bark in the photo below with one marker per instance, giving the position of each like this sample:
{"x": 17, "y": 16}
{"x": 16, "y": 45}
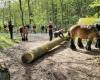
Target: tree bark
{"x": 61, "y": 1}
{"x": 3, "y": 15}
{"x": 30, "y": 13}
{"x": 52, "y": 3}
{"x": 9, "y": 11}
{"x": 47, "y": 11}
{"x": 20, "y": 4}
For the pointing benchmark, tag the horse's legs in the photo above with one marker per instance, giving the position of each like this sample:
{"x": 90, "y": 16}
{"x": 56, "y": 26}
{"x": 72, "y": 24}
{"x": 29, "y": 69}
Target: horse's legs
{"x": 97, "y": 43}
{"x": 80, "y": 45}
{"x": 73, "y": 47}
{"x": 88, "y": 46}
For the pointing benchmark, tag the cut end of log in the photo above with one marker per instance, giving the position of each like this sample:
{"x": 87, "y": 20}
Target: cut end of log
{"x": 27, "y": 58}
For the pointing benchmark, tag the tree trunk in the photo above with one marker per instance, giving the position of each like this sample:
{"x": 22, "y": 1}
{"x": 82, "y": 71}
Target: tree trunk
{"x": 67, "y": 14}
{"x": 39, "y": 51}
{"x": 98, "y": 11}
{"x": 56, "y": 20}
{"x": 61, "y": 1}
{"x": 30, "y": 13}
{"x": 52, "y": 2}
{"x": 9, "y": 11}
{"x": 3, "y": 16}
{"x": 14, "y": 16}
{"x": 20, "y": 4}
{"x": 47, "y": 11}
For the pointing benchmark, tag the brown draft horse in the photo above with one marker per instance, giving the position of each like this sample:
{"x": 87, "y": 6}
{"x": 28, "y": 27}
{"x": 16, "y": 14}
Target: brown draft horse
{"x": 83, "y": 32}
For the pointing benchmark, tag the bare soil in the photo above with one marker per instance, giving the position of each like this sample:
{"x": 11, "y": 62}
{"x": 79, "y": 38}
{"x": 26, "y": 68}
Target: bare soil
{"x": 59, "y": 64}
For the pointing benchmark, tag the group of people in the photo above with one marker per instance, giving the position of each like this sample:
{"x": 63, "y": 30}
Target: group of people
{"x": 9, "y": 26}
{"x": 24, "y": 32}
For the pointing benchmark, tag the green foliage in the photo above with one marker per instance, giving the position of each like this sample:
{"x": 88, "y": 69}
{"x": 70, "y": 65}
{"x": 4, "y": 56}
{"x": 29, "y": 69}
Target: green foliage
{"x": 95, "y": 3}
{"x": 88, "y": 21}
{"x": 96, "y": 6}
{"x": 5, "y": 41}
{"x": 61, "y": 12}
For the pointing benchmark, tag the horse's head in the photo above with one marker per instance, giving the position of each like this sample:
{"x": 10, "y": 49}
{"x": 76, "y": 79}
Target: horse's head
{"x": 95, "y": 28}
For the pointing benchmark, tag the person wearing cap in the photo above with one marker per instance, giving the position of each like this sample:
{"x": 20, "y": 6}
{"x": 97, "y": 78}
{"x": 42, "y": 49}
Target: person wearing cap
{"x": 50, "y": 29}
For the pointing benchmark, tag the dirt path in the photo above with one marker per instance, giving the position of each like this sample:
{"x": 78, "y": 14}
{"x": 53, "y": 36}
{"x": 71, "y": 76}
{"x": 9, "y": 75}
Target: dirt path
{"x": 59, "y": 64}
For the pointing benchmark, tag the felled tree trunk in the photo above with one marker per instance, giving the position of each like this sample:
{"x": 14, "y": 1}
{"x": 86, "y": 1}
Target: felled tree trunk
{"x": 39, "y": 51}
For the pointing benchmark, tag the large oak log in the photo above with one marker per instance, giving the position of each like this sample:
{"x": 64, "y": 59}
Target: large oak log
{"x": 39, "y": 51}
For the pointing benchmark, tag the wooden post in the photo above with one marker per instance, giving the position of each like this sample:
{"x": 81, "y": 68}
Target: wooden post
{"x": 39, "y": 51}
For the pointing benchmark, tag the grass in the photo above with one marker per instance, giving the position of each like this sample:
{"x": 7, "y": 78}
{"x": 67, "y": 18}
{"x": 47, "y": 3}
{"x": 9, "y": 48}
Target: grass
{"x": 5, "y": 41}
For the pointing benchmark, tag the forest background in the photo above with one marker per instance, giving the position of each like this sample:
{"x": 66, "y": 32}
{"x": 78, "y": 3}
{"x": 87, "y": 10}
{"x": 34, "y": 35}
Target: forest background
{"x": 40, "y": 12}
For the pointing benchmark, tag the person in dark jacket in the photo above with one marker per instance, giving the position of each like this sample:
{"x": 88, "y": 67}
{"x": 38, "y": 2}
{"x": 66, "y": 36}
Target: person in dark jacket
{"x": 42, "y": 29}
{"x": 10, "y": 26}
{"x": 50, "y": 28}
{"x": 21, "y": 31}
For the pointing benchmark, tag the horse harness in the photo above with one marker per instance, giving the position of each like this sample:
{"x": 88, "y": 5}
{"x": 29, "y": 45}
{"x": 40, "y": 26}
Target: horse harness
{"x": 96, "y": 27}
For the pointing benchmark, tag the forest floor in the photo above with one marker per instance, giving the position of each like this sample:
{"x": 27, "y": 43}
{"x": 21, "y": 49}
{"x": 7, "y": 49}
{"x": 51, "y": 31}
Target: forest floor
{"x": 59, "y": 64}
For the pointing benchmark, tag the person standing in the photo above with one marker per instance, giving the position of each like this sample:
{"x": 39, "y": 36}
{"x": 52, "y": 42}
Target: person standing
{"x": 21, "y": 32}
{"x": 34, "y": 28}
{"x": 42, "y": 29}
{"x": 50, "y": 28}
{"x": 24, "y": 33}
{"x": 10, "y": 26}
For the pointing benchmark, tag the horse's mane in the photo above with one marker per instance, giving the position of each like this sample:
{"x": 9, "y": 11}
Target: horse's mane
{"x": 84, "y": 26}
{"x": 73, "y": 26}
